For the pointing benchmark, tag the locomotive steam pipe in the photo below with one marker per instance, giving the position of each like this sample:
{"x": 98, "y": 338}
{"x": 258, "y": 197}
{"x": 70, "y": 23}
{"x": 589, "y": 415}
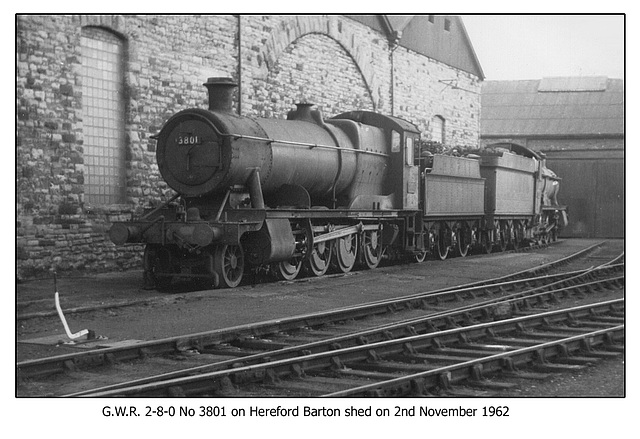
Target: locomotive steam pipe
{"x": 255, "y": 190}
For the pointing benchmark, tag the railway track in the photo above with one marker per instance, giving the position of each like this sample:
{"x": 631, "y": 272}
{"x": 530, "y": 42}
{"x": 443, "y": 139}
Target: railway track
{"x": 421, "y": 364}
{"x": 352, "y": 326}
{"x": 62, "y": 363}
{"x": 579, "y": 259}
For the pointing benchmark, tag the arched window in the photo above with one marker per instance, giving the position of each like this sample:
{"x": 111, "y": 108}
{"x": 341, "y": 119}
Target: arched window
{"x": 437, "y": 129}
{"x": 103, "y": 116}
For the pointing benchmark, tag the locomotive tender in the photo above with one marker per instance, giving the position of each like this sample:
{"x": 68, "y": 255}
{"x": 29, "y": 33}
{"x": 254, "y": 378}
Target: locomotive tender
{"x": 314, "y": 193}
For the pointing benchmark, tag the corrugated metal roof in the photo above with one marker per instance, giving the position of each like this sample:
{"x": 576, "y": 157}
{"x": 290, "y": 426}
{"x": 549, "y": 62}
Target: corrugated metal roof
{"x": 553, "y": 107}
{"x": 579, "y": 83}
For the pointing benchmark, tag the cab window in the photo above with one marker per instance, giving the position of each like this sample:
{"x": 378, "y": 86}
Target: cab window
{"x": 395, "y": 141}
{"x": 408, "y": 147}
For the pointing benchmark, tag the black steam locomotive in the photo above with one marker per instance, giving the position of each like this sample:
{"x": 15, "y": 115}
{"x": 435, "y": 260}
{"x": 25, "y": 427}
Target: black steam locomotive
{"x": 319, "y": 194}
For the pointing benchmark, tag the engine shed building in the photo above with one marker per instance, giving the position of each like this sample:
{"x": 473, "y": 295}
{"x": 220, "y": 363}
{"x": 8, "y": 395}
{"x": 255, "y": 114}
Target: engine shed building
{"x": 578, "y": 123}
{"x": 92, "y": 90}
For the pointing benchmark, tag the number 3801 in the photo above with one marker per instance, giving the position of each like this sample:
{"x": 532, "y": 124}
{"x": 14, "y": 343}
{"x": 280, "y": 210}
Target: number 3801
{"x": 188, "y": 140}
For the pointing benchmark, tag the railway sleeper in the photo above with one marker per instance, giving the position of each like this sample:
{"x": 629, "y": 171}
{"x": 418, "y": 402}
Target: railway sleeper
{"x": 555, "y": 334}
{"x": 491, "y": 384}
{"x": 474, "y": 353}
{"x": 613, "y": 351}
{"x": 294, "y": 340}
{"x": 538, "y": 376}
{"x": 469, "y": 393}
{"x": 567, "y": 330}
{"x": 617, "y": 348}
{"x": 318, "y": 333}
{"x": 176, "y": 392}
{"x": 609, "y": 320}
{"x": 577, "y": 360}
{"x": 524, "y": 312}
{"x": 519, "y": 342}
{"x": 314, "y": 386}
{"x": 444, "y": 358}
{"x": 557, "y": 367}
{"x": 593, "y": 325}
{"x": 488, "y": 347}
{"x": 260, "y": 344}
{"x": 224, "y": 387}
{"x": 231, "y": 351}
{"x": 390, "y": 367}
{"x": 69, "y": 366}
{"x": 366, "y": 374}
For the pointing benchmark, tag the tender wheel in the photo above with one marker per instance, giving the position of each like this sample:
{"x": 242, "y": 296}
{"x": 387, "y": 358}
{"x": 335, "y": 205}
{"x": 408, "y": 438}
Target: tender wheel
{"x": 463, "y": 236}
{"x": 518, "y": 237}
{"x": 485, "y": 242}
{"x": 346, "y": 252}
{"x": 421, "y": 256}
{"x": 320, "y": 258}
{"x": 503, "y": 238}
{"x": 371, "y": 248}
{"x": 288, "y": 270}
{"x": 442, "y": 244}
{"x": 228, "y": 263}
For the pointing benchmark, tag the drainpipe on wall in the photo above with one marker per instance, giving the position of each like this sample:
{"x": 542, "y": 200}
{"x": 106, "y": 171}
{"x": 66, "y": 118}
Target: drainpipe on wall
{"x": 239, "y": 65}
{"x": 394, "y": 42}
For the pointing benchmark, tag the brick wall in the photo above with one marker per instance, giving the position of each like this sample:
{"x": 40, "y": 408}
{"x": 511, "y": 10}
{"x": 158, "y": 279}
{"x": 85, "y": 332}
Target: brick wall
{"x": 331, "y": 61}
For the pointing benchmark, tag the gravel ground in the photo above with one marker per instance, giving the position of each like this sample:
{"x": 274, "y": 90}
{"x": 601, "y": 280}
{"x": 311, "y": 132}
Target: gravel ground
{"x": 152, "y": 315}
{"x": 606, "y": 379}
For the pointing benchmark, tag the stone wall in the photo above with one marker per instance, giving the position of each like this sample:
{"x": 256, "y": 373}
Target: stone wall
{"x": 425, "y": 88}
{"x": 331, "y": 61}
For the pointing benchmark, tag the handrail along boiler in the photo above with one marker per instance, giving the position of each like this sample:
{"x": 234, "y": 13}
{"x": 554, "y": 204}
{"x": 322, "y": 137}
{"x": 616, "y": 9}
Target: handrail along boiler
{"x": 320, "y": 194}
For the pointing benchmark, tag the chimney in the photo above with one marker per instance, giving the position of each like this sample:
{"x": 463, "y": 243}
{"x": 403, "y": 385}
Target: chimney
{"x": 220, "y": 94}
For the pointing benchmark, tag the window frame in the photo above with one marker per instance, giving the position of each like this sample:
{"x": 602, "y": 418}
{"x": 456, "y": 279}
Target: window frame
{"x": 442, "y": 132}
{"x": 103, "y": 63}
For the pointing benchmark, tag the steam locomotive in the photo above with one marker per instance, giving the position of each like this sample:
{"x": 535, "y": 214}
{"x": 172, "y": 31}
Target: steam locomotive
{"x": 315, "y": 194}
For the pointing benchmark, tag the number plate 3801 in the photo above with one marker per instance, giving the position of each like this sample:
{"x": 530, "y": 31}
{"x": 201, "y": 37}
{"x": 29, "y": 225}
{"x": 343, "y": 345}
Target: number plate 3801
{"x": 188, "y": 140}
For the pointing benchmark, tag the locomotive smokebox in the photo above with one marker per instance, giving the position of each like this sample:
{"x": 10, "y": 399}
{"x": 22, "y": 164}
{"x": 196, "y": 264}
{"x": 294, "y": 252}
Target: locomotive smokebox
{"x": 220, "y": 94}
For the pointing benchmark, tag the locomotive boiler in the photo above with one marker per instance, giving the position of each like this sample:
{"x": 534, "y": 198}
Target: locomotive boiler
{"x": 313, "y": 194}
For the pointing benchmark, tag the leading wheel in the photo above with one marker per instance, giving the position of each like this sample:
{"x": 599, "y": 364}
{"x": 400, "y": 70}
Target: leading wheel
{"x": 228, "y": 263}
{"x": 157, "y": 265}
{"x": 371, "y": 248}
{"x": 346, "y": 252}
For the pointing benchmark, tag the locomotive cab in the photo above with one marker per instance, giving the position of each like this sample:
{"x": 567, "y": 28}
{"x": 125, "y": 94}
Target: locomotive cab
{"x": 402, "y": 180}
